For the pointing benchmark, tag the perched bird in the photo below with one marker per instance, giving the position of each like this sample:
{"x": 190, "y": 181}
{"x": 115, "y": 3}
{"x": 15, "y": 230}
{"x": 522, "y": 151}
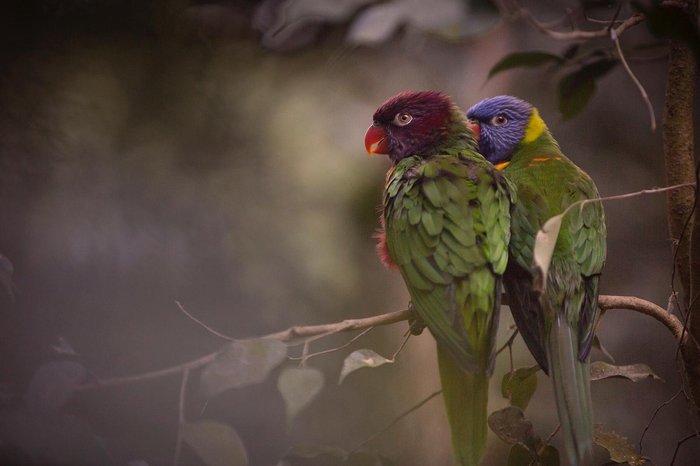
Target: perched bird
{"x": 557, "y": 324}
{"x": 446, "y": 226}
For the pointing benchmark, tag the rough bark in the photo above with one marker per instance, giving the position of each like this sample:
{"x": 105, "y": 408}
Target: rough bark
{"x": 678, "y": 138}
{"x": 677, "y": 132}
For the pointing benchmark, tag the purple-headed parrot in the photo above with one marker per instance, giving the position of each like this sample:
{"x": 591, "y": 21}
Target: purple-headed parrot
{"x": 557, "y": 324}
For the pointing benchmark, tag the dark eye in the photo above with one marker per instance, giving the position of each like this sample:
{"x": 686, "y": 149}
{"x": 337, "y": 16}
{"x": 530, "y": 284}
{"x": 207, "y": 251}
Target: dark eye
{"x": 402, "y": 119}
{"x": 499, "y": 120}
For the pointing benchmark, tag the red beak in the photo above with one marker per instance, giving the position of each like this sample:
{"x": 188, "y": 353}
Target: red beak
{"x": 376, "y": 141}
{"x": 476, "y": 129}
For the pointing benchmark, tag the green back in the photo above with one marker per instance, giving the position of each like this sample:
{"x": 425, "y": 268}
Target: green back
{"x": 547, "y": 182}
{"x": 447, "y": 220}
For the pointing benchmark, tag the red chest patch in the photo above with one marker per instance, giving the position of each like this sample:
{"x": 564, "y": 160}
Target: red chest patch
{"x": 382, "y": 248}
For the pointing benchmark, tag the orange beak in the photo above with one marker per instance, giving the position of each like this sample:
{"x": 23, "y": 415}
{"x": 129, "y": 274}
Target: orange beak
{"x": 476, "y": 129}
{"x": 376, "y": 141}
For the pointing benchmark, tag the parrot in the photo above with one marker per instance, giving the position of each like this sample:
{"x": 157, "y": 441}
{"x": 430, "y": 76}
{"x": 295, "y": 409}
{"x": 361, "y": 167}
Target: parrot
{"x": 445, "y": 224}
{"x": 557, "y": 323}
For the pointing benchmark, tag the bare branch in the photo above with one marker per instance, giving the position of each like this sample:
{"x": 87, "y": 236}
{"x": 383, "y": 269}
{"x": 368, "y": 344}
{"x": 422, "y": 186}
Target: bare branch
{"x": 398, "y": 418}
{"x": 653, "y": 416}
{"x": 202, "y": 324}
{"x": 607, "y": 302}
{"x": 401, "y": 347}
{"x": 578, "y": 34}
{"x": 616, "y": 39}
{"x": 168, "y": 371}
{"x": 293, "y": 334}
{"x": 318, "y": 353}
{"x": 181, "y": 415}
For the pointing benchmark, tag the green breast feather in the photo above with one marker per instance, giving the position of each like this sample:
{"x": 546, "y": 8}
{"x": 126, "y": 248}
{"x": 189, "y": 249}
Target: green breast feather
{"x": 448, "y": 227}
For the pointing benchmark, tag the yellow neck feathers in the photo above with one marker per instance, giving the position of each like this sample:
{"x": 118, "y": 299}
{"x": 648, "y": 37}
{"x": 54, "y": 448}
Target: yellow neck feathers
{"x": 535, "y": 127}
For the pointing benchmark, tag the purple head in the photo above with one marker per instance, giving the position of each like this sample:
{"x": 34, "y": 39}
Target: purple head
{"x": 500, "y": 123}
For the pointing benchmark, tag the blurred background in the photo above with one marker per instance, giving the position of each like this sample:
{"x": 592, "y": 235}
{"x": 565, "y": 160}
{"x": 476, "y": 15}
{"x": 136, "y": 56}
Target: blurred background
{"x": 211, "y": 153}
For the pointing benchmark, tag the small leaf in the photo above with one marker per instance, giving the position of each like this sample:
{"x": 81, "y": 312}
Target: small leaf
{"x": 619, "y": 448}
{"x": 549, "y": 456}
{"x": 376, "y": 24}
{"x": 299, "y": 386}
{"x": 635, "y": 372}
{"x": 522, "y": 59}
{"x": 520, "y": 456}
{"x": 217, "y": 444}
{"x": 53, "y": 384}
{"x": 241, "y": 363}
{"x": 577, "y": 88}
{"x": 597, "y": 344}
{"x": 359, "y": 359}
{"x": 519, "y": 386}
{"x": 545, "y": 240}
{"x": 511, "y": 426}
{"x": 64, "y": 347}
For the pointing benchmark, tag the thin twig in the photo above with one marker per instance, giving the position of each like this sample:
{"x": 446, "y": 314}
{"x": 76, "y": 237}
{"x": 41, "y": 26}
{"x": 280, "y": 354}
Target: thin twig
{"x": 508, "y": 342}
{"x": 551, "y": 436}
{"x": 616, "y": 39}
{"x": 202, "y": 324}
{"x": 606, "y": 302}
{"x": 318, "y": 353}
{"x": 578, "y": 34}
{"x": 678, "y": 446}
{"x": 403, "y": 343}
{"x": 293, "y": 334}
{"x": 181, "y": 415}
{"x": 653, "y": 416}
{"x": 397, "y": 419}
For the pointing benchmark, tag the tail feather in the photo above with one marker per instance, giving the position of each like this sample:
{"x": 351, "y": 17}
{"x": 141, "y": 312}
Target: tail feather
{"x": 572, "y": 391}
{"x": 466, "y": 400}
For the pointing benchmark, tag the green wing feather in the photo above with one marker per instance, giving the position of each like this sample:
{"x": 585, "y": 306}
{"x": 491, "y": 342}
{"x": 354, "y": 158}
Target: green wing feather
{"x": 559, "y": 326}
{"x": 447, "y": 227}
{"x": 447, "y": 221}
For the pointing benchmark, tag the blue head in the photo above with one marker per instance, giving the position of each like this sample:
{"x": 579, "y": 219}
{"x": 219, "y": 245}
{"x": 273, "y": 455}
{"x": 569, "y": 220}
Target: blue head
{"x": 501, "y": 123}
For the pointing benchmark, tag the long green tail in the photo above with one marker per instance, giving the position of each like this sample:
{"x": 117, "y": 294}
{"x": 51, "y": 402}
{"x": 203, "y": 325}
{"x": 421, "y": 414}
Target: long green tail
{"x": 572, "y": 391}
{"x": 466, "y": 398}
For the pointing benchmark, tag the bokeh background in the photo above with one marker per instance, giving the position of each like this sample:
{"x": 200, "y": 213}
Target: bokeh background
{"x": 211, "y": 153}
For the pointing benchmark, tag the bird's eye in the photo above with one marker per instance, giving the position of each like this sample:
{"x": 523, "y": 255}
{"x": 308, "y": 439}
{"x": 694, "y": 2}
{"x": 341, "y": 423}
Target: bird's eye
{"x": 402, "y": 119}
{"x": 499, "y": 120}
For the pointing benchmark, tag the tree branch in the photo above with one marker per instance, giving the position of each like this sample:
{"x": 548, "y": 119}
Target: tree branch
{"x": 607, "y": 302}
{"x": 677, "y": 134}
{"x": 292, "y": 334}
{"x": 578, "y": 34}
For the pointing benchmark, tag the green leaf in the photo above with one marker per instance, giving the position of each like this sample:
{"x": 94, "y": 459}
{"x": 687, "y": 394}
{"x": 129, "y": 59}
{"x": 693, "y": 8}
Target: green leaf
{"x": 549, "y": 456}
{"x": 599, "y": 346}
{"x": 298, "y": 387}
{"x": 671, "y": 23}
{"x": 217, "y": 444}
{"x": 545, "y": 240}
{"x": 511, "y": 426}
{"x": 241, "y": 363}
{"x": 519, "y": 386}
{"x": 635, "y": 372}
{"x": 359, "y": 359}
{"x": 520, "y": 456}
{"x": 619, "y": 448}
{"x": 523, "y": 59}
{"x": 576, "y": 89}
